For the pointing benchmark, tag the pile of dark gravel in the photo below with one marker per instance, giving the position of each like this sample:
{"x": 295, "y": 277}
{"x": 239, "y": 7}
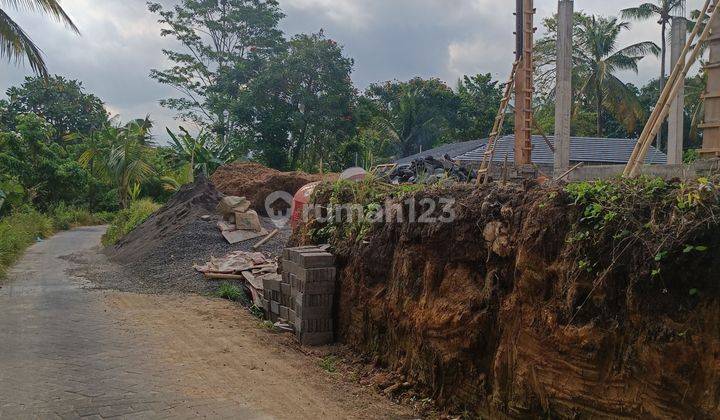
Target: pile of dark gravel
{"x": 159, "y": 255}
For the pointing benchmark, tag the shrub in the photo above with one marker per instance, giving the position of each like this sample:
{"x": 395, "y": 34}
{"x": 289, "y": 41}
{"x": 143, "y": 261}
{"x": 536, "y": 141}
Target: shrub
{"x": 127, "y": 220}
{"x": 65, "y": 217}
{"x": 19, "y": 231}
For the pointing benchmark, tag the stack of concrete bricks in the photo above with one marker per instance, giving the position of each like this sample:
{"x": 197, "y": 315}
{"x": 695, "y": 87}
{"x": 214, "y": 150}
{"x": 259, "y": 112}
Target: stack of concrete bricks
{"x": 272, "y": 297}
{"x": 310, "y": 273}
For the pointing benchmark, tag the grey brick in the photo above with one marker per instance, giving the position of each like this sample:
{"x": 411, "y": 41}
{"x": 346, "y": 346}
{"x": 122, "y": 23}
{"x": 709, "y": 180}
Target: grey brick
{"x": 316, "y": 260}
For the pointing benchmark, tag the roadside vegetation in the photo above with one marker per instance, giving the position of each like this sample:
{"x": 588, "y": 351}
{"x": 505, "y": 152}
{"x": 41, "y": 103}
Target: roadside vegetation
{"x": 128, "y": 219}
{"x": 23, "y": 228}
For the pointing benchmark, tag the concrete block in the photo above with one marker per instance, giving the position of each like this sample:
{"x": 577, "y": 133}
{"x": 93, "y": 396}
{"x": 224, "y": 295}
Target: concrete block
{"x": 314, "y": 300}
{"x": 293, "y": 254}
{"x": 316, "y": 339}
{"x": 271, "y": 284}
{"x": 285, "y": 289}
{"x": 288, "y": 266}
{"x": 314, "y": 312}
{"x": 291, "y": 316}
{"x": 313, "y": 325}
{"x": 325, "y": 287}
{"x": 316, "y": 260}
{"x": 316, "y": 274}
{"x": 275, "y": 308}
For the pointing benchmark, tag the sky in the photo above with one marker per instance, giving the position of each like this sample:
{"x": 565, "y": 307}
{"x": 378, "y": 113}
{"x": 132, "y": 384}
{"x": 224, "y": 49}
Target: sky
{"x": 120, "y": 43}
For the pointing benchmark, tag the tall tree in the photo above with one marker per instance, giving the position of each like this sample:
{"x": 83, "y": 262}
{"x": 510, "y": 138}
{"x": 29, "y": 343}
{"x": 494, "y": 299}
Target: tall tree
{"x": 128, "y": 162}
{"x": 662, "y": 11}
{"x": 61, "y": 102}
{"x": 303, "y": 103}
{"x": 416, "y": 115}
{"x": 479, "y": 102}
{"x": 15, "y": 43}
{"x": 599, "y": 60}
{"x": 225, "y": 43}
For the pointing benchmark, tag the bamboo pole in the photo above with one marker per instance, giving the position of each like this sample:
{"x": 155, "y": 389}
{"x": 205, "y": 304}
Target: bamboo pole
{"x": 660, "y": 112}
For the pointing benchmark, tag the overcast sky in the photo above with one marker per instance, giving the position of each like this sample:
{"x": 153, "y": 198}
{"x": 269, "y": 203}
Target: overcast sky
{"x": 389, "y": 39}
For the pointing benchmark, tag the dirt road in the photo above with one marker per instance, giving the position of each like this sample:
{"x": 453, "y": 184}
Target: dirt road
{"x": 69, "y": 351}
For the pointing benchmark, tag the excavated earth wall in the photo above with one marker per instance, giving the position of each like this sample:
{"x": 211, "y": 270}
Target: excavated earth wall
{"x": 490, "y": 314}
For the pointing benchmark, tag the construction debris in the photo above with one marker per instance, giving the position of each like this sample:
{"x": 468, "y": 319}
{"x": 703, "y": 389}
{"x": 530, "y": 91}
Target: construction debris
{"x": 430, "y": 170}
{"x": 253, "y": 269}
{"x": 239, "y": 223}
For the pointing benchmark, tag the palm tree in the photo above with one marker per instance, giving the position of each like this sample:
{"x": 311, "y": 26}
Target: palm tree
{"x": 663, "y": 11}
{"x": 129, "y": 160}
{"x": 599, "y": 58}
{"x": 15, "y": 42}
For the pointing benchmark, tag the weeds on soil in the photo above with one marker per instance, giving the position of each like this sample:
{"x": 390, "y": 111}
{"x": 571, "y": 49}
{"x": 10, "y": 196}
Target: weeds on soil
{"x": 230, "y": 292}
{"x": 660, "y": 221}
{"x": 329, "y": 363}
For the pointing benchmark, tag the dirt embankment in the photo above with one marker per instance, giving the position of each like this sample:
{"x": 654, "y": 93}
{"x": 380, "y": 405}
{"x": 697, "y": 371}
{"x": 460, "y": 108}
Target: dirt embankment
{"x": 256, "y": 182}
{"x": 525, "y": 306}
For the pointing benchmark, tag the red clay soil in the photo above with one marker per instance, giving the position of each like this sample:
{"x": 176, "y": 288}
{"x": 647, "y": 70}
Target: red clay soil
{"x": 490, "y": 315}
{"x": 255, "y": 182}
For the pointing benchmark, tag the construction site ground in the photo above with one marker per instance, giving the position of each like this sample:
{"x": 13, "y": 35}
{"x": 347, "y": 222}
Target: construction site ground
{"x": 70, "y": 350}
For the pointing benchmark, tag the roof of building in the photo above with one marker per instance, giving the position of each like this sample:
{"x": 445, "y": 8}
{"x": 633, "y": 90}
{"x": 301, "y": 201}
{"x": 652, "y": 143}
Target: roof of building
{"x": 452, "y": 149}
{"x": 582, "y": 149}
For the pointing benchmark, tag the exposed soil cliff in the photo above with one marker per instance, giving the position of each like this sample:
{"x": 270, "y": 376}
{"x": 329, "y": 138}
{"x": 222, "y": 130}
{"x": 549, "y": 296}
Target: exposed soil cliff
{"x": 599, "y": 300}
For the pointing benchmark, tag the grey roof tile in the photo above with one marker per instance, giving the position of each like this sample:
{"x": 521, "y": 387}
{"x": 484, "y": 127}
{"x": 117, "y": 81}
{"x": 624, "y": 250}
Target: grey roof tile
{"x": 582, "y": 149}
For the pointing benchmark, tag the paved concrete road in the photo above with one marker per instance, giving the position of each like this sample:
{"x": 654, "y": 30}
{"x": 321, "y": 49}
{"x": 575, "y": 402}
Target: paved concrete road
{"x": 63, "y": 355}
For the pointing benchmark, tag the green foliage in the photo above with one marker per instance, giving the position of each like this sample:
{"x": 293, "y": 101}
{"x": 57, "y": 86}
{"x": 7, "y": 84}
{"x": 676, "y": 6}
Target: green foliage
{"x": 65, "y": 217}
{"x": 329, "y": 363}
{"x": 128, "y": 219}
{"x": 352, "y": 206}
{"x": 15, "y": 42}
{"x": 17, "y": 232}
{"x": 225, "y": 46}
{"x": 303, "y": 104}
{"x": 201, "y": 154}
{"x": 62, "y": 103}
{"x": 596, "y": 62}
{"x": 418, "y": 114}
{"x": 666, "y": 220}
{"x": 230, "y": 292}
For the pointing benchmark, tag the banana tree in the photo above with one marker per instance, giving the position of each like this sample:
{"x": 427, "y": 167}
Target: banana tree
{"x": 200, "y": 152}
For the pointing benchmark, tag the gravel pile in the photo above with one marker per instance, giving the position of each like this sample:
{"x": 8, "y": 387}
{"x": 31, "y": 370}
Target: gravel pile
{"x": 158, "y": 256}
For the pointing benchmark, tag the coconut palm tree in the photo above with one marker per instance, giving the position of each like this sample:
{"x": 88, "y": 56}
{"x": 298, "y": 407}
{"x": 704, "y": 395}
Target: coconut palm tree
{"x": 15, "y": 42}
{"x": 599, "y": 58}
{"x": 662, "y": 10}
{"x": 129, "y": 160}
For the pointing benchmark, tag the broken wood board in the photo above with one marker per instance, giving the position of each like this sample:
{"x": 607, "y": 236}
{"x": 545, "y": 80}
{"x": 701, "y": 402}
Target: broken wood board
{"x": 238, "y": 236}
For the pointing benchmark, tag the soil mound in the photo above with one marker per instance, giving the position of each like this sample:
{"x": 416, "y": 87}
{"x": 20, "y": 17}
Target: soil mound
{"x": 255, "y": 182}
{"x": 529, "y": 305}
{"x": 185, "y": 208}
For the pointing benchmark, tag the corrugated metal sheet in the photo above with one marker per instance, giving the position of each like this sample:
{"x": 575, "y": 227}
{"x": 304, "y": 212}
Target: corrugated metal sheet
{"x": 452, "y": 149}
{"x": 582, "y": 149}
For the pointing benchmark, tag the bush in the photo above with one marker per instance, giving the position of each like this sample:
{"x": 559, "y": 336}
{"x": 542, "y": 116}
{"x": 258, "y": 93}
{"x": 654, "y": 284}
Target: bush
{"x": 19, "y": 231}
{"x": 127, "y": 220}
{"x": 65, "y": 217}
